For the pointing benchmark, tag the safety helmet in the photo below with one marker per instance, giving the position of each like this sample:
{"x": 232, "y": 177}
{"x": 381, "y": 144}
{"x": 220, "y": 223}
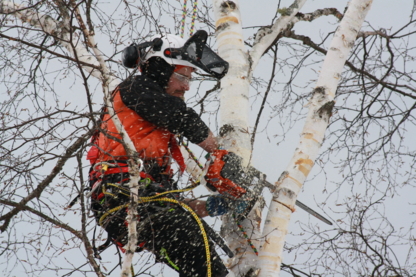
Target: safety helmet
{"x": 176, "y": 51}
{"x": 163, "y": 44}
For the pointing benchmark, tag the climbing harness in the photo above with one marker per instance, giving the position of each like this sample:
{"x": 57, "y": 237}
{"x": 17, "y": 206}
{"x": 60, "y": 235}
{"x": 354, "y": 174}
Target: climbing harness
{"x": 158, "y": 198}
{"x": 113, "y": 190}
{"x": 194, "y": 12}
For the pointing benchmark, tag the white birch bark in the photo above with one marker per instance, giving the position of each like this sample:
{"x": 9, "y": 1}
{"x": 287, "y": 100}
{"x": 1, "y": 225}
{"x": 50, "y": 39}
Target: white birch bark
{"x": 109, "y": 83}
{"x": 234, "y": 110}
{"x": 320, "y": 108}
{"x": 235, "y": 85}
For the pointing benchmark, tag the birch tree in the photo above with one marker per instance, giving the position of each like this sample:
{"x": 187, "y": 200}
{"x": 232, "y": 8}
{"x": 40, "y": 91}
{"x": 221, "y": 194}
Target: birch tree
{"x": 320, "y": 110}
{"x": 63, "y": 59}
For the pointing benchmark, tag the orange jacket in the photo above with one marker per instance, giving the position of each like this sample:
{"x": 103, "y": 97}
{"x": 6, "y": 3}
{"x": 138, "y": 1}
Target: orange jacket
{"x": 151, "y": 117}
{"x": 151, "y": 142}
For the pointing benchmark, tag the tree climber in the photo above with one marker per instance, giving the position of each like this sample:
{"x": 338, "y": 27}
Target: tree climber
{"x": 152, "y": 110}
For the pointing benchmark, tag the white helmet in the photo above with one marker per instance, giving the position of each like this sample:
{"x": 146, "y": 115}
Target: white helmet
{"x": 175, "y": 51}
{"x": 168, "y": 41}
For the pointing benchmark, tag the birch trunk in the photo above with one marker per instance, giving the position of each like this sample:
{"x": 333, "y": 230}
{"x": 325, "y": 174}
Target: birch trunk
{"x": 95, "y": 65}
{"x": 320, "y": 108}
{"x": 234, "y": 111}
{"x": 234, "y": 131}
{"x": 235, "y": 85}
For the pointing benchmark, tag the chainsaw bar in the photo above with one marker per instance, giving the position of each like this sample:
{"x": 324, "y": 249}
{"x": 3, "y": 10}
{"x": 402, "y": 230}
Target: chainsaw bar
{"x": 312, "y": 212}
{"x": 262, "y": 180}
{"x": 227, "y": 176}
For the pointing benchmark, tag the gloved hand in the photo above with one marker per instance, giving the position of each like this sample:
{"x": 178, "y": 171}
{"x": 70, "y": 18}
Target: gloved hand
{"x": 218, "y": 205}
{"x": 239, "y": 206}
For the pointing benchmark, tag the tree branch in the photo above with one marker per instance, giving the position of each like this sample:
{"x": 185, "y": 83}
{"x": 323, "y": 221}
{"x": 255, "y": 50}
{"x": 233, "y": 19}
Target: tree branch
{"x": 39, "y": 189}
{"x": 307, "y": 41}
{"x": 265, "y": 37}
{"x": 78, "y": 234}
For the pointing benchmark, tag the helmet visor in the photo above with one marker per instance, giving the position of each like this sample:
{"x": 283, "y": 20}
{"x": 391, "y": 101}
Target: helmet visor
{"x": 199, "y": 54}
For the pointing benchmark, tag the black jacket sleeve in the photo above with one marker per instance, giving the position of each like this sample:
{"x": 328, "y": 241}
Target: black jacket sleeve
{"x": 149, "y": 100}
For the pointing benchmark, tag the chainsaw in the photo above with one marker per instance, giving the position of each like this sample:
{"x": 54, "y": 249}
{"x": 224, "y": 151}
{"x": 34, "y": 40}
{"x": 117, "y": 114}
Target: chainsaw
{"x": 226, "y": 175}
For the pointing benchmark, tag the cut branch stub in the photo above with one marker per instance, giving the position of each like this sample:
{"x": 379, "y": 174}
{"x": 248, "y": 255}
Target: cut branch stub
{"x": 325, "y": 112}
{"x": 282, "y": 177}
{"x": 228, "y": 6}
{"x": 228, "y": 15}
{"x": 320, "y": 98}
{"x": 319, "y": 91}
{"x": 226, "y": 129}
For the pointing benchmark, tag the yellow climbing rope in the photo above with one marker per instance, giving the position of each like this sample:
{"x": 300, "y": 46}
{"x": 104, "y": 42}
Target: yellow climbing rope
{"x": 201, "y": 227}
{"x": 157, "y": 198}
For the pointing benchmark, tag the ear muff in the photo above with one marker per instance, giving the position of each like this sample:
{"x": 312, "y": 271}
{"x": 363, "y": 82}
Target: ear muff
{"x": 157, "y": 44}
{"x": 132, "y": 54}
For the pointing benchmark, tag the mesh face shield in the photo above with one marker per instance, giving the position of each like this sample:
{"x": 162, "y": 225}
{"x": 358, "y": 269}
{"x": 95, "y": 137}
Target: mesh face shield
{"x": 199, "y": 54}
